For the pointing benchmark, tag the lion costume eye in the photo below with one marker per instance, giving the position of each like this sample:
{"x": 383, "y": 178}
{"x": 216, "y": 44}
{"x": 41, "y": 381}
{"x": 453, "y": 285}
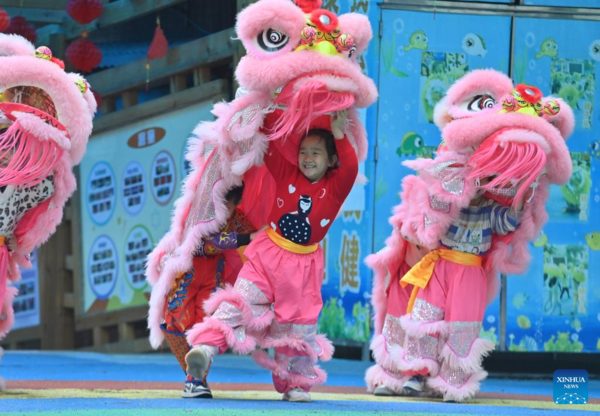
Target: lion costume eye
{"x": 271, "y": 40}
{"x": 481, "y": 102}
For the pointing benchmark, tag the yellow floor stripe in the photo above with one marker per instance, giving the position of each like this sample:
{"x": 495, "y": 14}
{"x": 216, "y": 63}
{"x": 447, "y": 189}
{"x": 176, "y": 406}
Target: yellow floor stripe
{"x": 266, "y": 395}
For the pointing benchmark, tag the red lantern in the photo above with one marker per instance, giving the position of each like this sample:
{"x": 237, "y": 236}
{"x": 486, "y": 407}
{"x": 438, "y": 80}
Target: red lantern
{"x": 4, "y": 20}
{"x": 159, "y": 46}
{"x": 84, "y": 11}
{"x": 20, "y": 26}
{"x": 84, "y": 55}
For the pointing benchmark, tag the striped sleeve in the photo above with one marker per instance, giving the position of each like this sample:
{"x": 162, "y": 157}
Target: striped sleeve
{"x": 504, "y": 220}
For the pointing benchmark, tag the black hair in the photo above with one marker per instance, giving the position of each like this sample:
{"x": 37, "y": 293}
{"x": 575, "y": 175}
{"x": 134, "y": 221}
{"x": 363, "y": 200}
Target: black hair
{"x": 234, "y": 195}
{"x": 329, "y": 141}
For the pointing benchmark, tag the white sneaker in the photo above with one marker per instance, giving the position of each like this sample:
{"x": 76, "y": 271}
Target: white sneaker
{"x": 196, "y": 390}
{"x": 384, "y": 390}
{"x": 198, "y": 360}
{"x": 296, "y": 395}
{"x": 415, "y": 383}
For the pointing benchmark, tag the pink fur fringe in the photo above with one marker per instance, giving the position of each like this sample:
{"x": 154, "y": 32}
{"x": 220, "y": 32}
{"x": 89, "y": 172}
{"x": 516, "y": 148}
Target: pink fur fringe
{"x": 377, "y": 376}
{"x": 263, "y": 359}
{"x": 471, "y": 363}
{"x": 243, "y": 348}
{"x": 420, "y": 330}
{"x": 459, "y": 394}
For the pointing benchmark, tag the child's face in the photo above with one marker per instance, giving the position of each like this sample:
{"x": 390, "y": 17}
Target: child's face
{"x": 313, "y": 160}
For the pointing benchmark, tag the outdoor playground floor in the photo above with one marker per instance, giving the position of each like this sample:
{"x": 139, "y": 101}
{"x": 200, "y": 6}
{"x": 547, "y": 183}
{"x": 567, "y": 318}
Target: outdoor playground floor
{"x": 78, "y": 383}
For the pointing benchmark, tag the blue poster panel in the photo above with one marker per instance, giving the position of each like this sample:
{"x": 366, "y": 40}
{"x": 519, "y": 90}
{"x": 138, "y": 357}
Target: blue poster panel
{"x": 564, "y": 3}
{"x": 421, "y": 57}
{"x": 556, "y": 306}
{"x": 347, "y": 281}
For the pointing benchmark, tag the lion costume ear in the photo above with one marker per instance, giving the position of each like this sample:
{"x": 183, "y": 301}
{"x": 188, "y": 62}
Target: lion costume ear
{"x": 357, "y": 26}
{"x": 564, "y": 120}
{"x": 13, "y": 45}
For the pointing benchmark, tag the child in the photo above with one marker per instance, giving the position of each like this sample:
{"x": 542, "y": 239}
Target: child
{"x": 449, "y": 298}
{"x": 183, "y": 305}
{"x": 276, "y": 300}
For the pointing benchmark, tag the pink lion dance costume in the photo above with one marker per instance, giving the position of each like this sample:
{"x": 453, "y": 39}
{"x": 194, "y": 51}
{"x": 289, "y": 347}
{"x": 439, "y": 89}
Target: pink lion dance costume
{"x": 300, "y": 68}
{"x": 490, "y": 130}
{"x": 45, "y": 122}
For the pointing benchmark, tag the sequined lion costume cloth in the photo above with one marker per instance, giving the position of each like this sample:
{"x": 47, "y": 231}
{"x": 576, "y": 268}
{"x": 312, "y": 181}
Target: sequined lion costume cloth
{"x": 300, "y": 68}
{"x": 45, "y": 122}
{"x": 511, "y": 136}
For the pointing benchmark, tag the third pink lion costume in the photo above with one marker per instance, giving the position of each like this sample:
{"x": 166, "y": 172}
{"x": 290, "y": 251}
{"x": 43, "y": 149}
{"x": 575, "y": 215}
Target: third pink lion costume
{"x": 300, "y": 68}
{"x": 491, "y": 131}
{"x": 45, "y": 121}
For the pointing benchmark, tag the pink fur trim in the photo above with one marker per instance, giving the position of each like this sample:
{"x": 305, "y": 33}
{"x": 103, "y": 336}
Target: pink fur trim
{"x": 524, "y": 136}
{"x": 228, "y": 294}
{"x": 263, "y": 359}
{"x": 377, "y": 376}
{"x": 420, "y": 330}
{"x": 471, "y": 363}
{"x": 327, "y": 348}
{"x": 245, "y": 347}
{"x": 257, "y": 74}
{"x": 15, "y": 45}
{"x": 459, "y": 394}
{"x": 385, "y": 358}
{"x": 42, "y": 130}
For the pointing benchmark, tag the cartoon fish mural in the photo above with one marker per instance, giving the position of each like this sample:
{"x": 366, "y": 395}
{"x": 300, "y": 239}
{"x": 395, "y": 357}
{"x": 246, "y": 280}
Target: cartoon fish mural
{"x": 595, "y": 50}
{"x": 576, "y": 324}
{"x": 594, "y": 149}
{"x": 520, "y": 300}
{"x": 474, "y": 45}
{"x": 598, "y": 345}
{"x": 593, "y": 240}
{"x": 410, "y": 145}
{"x": 542, "y": 240}
{"x": 548, "y": 48}
{"x": 523, "y": 322}
{"x": 418, "y": 40}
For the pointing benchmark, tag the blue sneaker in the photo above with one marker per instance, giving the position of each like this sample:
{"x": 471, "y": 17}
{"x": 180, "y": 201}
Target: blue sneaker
{"x": 415, "y": 383}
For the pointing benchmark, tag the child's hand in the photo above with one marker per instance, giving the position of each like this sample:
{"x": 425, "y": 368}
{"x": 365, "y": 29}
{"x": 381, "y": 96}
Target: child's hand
{"x": 337, "y": 121}
{"x": 254, "y": 234}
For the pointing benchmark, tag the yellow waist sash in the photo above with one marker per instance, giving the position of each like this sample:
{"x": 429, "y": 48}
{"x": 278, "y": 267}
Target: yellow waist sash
{"x": 421, "y": 272}
{"x": 288, "y": 245}
{"x": 2, "y": 239}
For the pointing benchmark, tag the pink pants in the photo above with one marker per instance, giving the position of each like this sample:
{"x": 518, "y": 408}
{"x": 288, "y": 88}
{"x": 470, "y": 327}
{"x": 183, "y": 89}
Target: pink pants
{"x": 275, "y": 303}
{"x": 442, "y": 332}
{"x": 387, "y": 346}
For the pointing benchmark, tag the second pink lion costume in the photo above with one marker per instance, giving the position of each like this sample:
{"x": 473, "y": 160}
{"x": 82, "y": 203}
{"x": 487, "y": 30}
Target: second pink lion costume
{"x": 45, "y": 122}
{"x": 494, "y": 131}
{"x": 300, "y": 68}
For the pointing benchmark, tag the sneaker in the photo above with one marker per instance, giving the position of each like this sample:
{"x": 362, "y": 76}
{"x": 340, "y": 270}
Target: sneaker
{"x": 198, "y": 360}
{"x": 383, "y": 390}
{"x": 196, "y": 390}
{"x": 296, "y": 395}
{"x": 415, "y": 384}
